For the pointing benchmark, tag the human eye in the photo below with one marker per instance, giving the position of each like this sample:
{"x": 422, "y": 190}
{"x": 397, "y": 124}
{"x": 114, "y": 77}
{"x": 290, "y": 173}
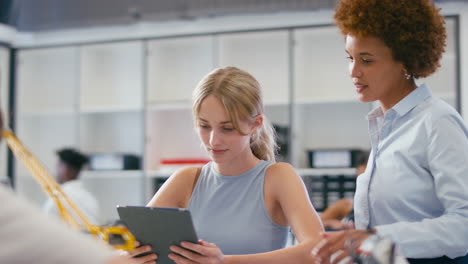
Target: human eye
{"x": 349, "y": 58}
{"x": 203, "y": 126}
{"x": 366, "y": 61}
{"x": 228, "y": 129}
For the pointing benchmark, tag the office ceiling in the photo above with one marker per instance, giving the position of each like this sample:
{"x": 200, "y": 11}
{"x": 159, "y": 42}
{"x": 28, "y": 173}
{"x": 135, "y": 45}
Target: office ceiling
{"x": 39, "y": 15}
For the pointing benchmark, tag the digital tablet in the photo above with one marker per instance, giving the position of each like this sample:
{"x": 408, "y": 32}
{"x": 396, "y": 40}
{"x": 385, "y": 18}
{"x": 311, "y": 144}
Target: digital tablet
{"x": 159, "y": 227}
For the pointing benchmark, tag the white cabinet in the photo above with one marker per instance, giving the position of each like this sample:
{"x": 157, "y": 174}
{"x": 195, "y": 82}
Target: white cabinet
{"x": 47, "y": 81}
{"x": 111, "y": 98}
{"x": 112, "y": 188}
{"x": 175, "y": 66}
{"x": 46, "y": 104}
{"x": 111, "y": 76}
{"x": 320, "y": 66}
{"x": 111, "y": 119}
{"x": 119, "y": 132}
{"x": 171, "y": 135}
{"x": 340, "y": 125}
{"x": 263, "y": 54}
{"x": 90, "y": 98}
{"x": 327, "y": 113}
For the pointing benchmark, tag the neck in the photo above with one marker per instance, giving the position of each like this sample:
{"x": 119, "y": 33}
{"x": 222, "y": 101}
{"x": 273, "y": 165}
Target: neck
{"x": 399, "y": 93}
{"x": 237, "y": 166}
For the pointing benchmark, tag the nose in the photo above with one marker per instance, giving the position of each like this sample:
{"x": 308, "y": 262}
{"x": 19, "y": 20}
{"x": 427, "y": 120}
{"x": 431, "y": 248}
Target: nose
{"x": 354, "y": 70}
{"x": 214, "y": 138}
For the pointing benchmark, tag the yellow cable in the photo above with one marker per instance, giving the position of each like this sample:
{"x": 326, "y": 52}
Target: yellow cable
{"x": 53, "y": 189}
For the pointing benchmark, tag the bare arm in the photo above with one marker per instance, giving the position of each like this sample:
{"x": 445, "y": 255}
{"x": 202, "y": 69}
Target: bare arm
{"x": 338, "y": 210}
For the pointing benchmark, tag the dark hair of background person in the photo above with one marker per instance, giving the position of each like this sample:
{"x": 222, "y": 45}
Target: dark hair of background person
{"x": 72, "y": 158}
{"x": 362, "y": 157}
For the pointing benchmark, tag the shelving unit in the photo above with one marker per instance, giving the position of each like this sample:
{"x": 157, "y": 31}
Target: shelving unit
{"x": 135, "y": 97}
{"x": 327, "y": 112}
{"x": 47, "y": 88}
{"x": 171, "y": 135}
{"x": 112, "y": 188}
{"x": 320, "y": 64}
{"x": 112, "y": 119}
{"x": 175, "y": 66}
{"x": 264, "y": 55}
{"x": 111, "y": 76}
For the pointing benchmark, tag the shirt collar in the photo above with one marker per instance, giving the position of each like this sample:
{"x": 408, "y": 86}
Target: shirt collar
{"x": 419, "y": 94}
{"x": 410, "y": 101}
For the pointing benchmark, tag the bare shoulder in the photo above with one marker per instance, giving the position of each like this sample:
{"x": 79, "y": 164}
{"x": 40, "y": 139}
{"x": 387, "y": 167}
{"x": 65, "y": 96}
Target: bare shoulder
{"x": 184, "y": 174}
{"x": 281, "y": 170}
{"x": 282, "y": 175}
{"x": 184, "y": 179}
{"x": 177, "y": 189}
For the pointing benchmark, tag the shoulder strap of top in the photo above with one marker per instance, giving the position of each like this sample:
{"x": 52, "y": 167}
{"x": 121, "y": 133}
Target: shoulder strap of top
{"x": 197, "y": 175}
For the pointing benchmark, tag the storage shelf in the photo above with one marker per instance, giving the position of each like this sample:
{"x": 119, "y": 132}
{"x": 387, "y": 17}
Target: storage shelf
{"x": 183, "y": 105}
{"x": 275, "y": 103}
{"x": 104, "y": 110}
{"x": 326, "y": 171}
{"x": 330, "y": 100}
{"x": 163, "y": 173}
{"x": 112, "y": 174}
{"x": 46, "y": 113}
{"x": 177, "y": 105}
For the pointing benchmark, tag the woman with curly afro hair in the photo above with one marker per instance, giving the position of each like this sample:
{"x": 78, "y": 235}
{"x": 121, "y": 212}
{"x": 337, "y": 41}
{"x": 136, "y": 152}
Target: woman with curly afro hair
{"x": 415, "y": 188}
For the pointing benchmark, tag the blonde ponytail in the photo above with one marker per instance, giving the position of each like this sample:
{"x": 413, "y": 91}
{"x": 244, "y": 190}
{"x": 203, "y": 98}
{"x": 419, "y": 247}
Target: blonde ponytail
{"x": 263, "y": 144}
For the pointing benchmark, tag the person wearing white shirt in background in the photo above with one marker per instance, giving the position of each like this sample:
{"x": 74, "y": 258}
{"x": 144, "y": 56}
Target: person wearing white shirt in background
{"x": 69, "y": 166}
{"x": 415, "y": 188}
{"x": 29, "y": 236}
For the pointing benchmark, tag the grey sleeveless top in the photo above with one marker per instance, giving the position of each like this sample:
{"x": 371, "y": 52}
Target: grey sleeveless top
{"x": 230, "y": 212}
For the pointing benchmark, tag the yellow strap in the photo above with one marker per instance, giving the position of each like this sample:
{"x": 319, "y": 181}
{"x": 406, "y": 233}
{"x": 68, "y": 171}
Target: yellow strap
{"x": 63, "y": 202}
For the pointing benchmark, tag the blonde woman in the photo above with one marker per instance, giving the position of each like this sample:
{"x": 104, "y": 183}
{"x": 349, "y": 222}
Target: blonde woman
{"x": 242, "y": 202}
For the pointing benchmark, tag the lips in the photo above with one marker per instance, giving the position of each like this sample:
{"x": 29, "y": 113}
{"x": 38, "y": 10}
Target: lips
{"x": 360, "y": 87}
{"x": 218, "y": 151}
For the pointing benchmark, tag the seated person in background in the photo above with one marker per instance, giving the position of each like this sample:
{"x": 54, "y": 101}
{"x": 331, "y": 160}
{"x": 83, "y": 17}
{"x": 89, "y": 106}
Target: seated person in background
{"x": 340, "y": 215}
{"x": 242, "y": 202}
{"x": 68, "y": 171}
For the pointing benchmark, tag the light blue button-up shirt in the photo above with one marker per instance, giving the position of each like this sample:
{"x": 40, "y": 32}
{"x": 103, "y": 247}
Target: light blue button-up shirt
{"x": 415, "y": 188}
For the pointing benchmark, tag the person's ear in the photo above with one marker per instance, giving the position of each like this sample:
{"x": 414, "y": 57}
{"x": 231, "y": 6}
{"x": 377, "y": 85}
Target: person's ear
{"x": 258, "y": 122}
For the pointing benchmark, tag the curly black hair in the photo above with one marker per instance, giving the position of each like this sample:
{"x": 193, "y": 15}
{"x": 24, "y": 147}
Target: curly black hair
{"x": 413, "y": 29}
{"x": 72, "y": 158}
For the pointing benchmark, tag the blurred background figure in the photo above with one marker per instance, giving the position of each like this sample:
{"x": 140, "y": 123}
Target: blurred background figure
{"x": 69, "y": 166}
{"x": 340, "y": 215}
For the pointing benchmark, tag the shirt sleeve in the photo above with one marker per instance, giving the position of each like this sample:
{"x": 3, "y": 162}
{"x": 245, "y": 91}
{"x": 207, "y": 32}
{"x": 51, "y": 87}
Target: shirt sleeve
{"x": 447, "y": 155}
{"x": 30, "y": 237}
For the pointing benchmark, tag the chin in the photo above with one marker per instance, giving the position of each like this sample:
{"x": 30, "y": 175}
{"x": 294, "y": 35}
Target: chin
{"x": 217, "y": 159}
{"x": 365, "y": 99}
